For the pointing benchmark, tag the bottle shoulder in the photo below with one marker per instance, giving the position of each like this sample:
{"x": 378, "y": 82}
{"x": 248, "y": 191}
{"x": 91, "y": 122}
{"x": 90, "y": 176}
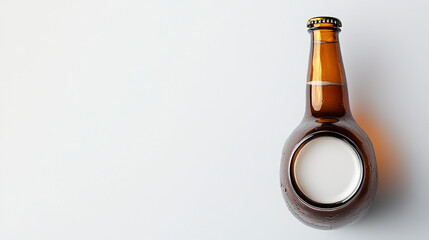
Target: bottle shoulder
{"x": 310, "y": 125}
{"x": 346, "y": 127}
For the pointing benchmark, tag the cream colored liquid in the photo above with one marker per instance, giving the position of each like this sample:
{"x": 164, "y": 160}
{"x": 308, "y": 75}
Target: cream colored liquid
{"x": 328, "y": 170}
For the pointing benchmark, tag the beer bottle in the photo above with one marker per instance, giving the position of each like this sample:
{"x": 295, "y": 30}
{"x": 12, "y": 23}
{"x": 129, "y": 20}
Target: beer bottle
{"x": 328, "y": 170}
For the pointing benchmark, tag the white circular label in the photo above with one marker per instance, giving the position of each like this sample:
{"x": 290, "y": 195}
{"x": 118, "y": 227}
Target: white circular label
{"x": 327, "y": 170}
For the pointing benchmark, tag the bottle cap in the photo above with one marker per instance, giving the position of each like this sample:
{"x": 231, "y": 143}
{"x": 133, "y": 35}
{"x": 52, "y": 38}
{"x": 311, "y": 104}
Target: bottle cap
{"x": 333, "y": 22}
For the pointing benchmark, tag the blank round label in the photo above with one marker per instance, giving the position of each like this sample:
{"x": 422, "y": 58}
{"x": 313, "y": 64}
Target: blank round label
{"x": 327, "y": 170}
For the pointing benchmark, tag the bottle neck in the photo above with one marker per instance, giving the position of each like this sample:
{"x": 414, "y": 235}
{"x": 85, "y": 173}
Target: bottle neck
{"x": 326, "y": 84}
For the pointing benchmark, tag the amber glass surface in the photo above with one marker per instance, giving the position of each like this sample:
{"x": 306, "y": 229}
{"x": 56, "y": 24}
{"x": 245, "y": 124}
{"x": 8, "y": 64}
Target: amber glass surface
{"x": 328, "y": 113}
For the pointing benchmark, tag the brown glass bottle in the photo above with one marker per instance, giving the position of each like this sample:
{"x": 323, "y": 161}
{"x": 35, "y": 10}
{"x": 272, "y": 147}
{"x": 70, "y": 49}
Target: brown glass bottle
{"x": 327, "y": 117}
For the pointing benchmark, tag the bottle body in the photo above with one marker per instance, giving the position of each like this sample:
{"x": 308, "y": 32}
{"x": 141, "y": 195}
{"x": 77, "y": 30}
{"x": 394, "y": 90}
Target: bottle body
{"x": 328, "y": 169}
{"x": 337, "y": 215}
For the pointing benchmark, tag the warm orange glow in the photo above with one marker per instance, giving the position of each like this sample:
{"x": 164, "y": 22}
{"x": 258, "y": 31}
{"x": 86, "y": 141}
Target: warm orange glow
{"x": 388, "y": 156}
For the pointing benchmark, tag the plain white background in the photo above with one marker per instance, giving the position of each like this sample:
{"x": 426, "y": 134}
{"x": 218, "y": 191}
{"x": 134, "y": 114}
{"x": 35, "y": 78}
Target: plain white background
{"x": 166, "y": 119}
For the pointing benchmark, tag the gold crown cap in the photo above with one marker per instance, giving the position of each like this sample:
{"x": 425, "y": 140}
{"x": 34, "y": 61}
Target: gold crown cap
{"x": 317, "y": 20}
